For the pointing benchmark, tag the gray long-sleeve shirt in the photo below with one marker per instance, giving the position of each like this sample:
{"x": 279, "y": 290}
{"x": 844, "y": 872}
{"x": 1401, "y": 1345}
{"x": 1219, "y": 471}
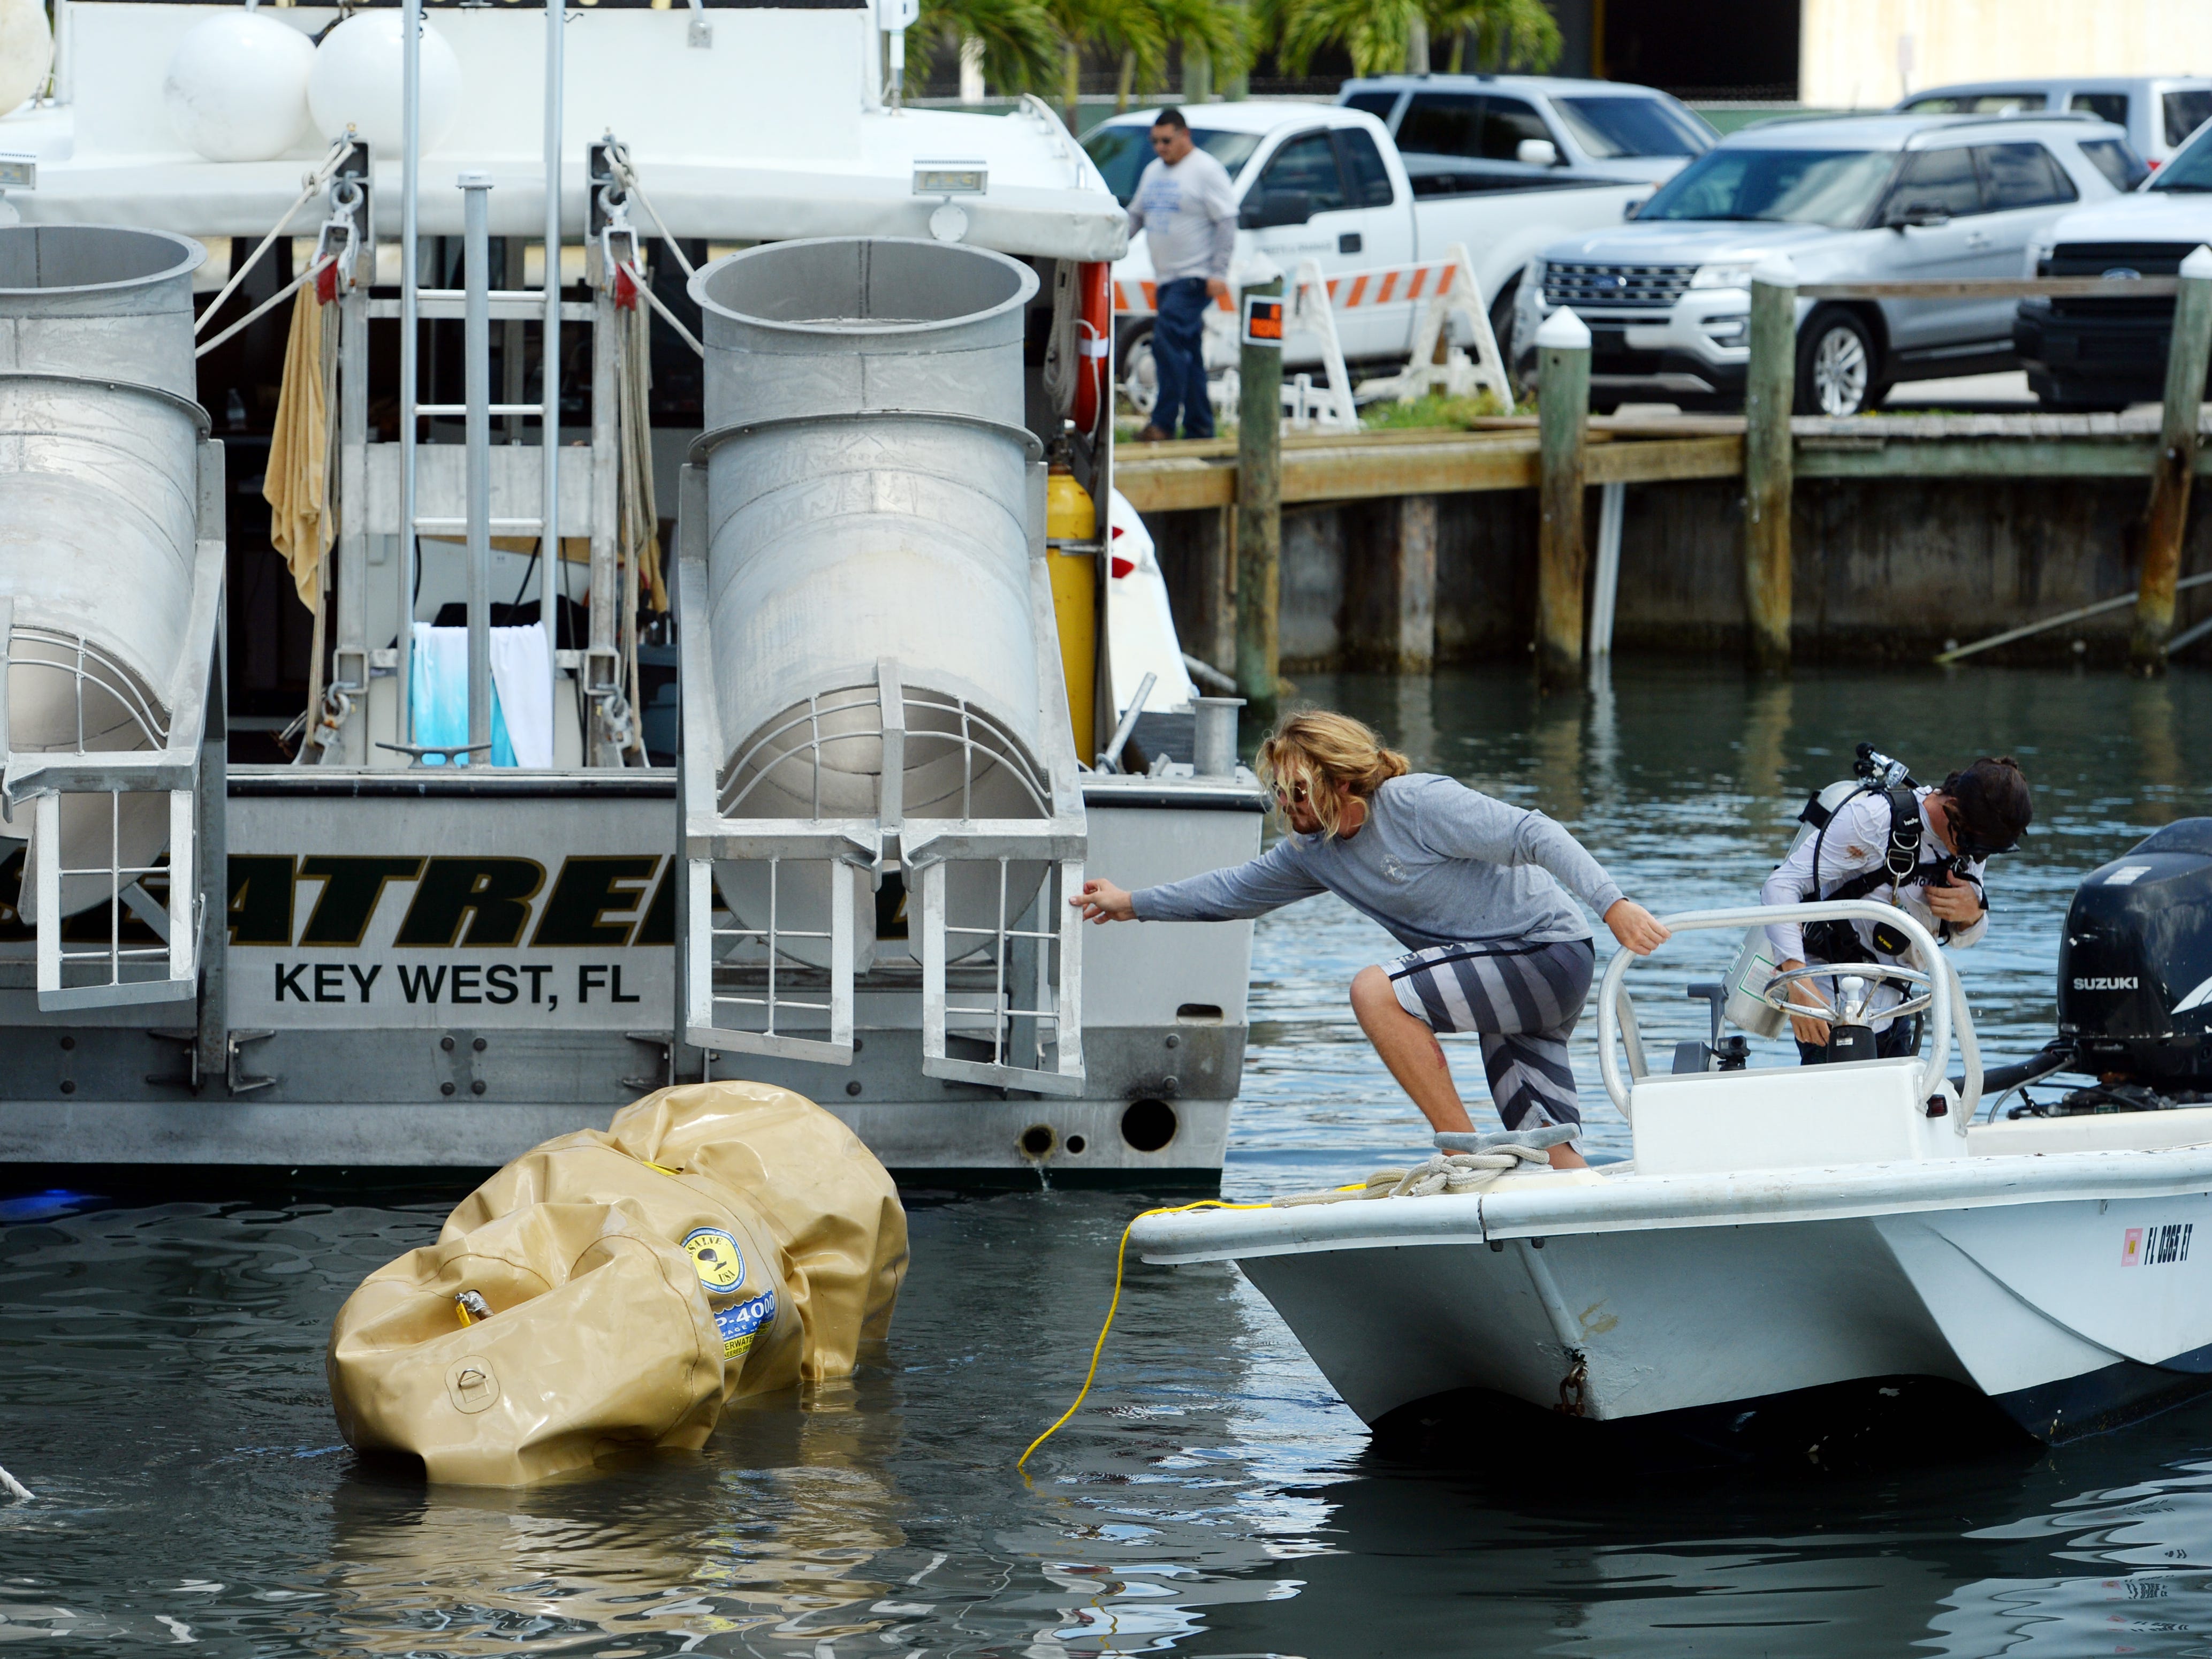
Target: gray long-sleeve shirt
{"x": 1435, "y": 863}
{"x": 1188, "y": 215}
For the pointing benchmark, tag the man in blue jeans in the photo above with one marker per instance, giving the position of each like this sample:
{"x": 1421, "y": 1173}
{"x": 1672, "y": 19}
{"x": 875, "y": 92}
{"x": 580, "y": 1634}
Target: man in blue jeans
{"x": 1187, "y": 208}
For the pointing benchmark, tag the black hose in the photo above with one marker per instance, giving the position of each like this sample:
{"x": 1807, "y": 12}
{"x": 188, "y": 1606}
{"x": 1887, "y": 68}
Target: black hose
{"x": 2057, "y": 1055}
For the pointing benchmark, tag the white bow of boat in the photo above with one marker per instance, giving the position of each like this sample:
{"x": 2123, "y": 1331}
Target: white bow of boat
{"x": 1776, "y": 1229}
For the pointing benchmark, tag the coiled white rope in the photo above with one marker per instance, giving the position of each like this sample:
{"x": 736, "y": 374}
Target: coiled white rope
{"x": 12, "y": 1486}
{"x": 1463, "y": 1164}
{"x": 1452, "y": 1174}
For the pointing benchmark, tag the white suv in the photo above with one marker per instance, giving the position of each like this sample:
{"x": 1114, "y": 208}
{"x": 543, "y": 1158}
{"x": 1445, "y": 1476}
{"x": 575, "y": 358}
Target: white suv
{"x": 1668, "y": 297}
{"x": 2158, "y": 112}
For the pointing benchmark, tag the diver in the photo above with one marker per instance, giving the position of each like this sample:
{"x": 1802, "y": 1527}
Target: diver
{"x": 1476, "y": 889}
{"x": 1918, "y": 847}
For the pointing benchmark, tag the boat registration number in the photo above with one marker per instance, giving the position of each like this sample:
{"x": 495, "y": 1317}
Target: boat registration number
{"x": 2156, "y": 1246}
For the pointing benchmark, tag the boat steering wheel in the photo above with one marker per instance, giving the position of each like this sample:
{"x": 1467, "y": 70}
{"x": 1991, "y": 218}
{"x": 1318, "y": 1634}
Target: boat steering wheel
{"x": 1851, "y": 1006}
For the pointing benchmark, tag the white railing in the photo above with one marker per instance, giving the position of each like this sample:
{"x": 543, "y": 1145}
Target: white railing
{"x": 94, "y": 973}
{"x": 1947, "y": 1012}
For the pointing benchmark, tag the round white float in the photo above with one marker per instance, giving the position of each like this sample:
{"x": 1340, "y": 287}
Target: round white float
{"x": 356, "y": 82}
{"x": 236, "y": 90}
{"x": 27, "y": 51}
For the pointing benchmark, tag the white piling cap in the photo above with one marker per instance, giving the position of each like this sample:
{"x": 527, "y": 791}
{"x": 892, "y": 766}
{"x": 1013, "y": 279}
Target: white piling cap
{"x": 2199, "y": 264}
{"x": 1564, "y": 331}
{"x": 1776, "y": 270}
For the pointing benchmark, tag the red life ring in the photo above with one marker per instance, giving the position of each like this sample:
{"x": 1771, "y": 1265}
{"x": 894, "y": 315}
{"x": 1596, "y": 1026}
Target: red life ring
{"x": 1094, "y": 343}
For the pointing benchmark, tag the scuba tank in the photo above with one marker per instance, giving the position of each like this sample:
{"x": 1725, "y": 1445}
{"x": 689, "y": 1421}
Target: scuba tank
{"x": 1747, "y": 1008}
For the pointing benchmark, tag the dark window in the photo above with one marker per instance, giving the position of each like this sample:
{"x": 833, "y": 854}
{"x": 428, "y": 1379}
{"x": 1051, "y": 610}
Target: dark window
{"x": 1363, "y": 166}
{"x": 2021, "y": 176}
{"x": 2185, "y": 112}
{"x": 2116, "y": 159}
{"x": 1611, "y": 126}
{"x": 2105, "y": 105}
{"x": 1938, "y": 181}
{"x": 1307, "y": 164}
{"x": 1505, "y": 123}
{"x": 1796, "y": 187}
{"x": 1377, "y": 104}
{"x": 1123, "y": 153}
{"x": 1443, "y": 124}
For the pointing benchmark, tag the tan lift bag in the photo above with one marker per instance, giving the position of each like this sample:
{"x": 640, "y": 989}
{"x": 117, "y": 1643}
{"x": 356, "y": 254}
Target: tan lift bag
{"x": 619, "y": 1288}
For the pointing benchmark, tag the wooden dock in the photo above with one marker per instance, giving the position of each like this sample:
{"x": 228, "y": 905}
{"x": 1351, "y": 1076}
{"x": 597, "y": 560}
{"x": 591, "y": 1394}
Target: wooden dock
{"x": 1504, "y": 454}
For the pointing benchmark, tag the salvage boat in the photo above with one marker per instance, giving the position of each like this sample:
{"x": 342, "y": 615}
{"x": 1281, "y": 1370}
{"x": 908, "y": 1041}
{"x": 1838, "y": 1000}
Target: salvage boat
{"x": 506, "y": 818}
{"x": 1785, "y": 1230}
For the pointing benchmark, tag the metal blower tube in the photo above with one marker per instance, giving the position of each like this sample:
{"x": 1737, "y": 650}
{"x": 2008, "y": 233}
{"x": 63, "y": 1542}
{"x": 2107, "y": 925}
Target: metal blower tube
{"x": 99, "y": 501}
{"x": 869, "y": 500}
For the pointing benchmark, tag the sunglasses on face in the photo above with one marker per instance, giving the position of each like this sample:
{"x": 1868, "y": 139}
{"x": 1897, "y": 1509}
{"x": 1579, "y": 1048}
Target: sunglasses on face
{"x": 1969, "y": 844}
{"x": 1160, "y": 142}
{"x": 1296, "y": 794}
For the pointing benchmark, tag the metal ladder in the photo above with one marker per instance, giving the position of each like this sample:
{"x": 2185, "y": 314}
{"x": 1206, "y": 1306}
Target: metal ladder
{"x": 473, "y": 490}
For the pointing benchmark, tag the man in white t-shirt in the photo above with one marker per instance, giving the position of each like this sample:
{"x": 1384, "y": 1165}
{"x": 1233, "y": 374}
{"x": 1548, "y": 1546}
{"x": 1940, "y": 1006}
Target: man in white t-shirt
{"x": 1187, "y": 208}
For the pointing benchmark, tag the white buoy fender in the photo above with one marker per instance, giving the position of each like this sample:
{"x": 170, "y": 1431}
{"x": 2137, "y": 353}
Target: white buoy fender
{"x": 236, "y": 88}
{"x": 356, "y": 82}
{"x": 27, "y": 51}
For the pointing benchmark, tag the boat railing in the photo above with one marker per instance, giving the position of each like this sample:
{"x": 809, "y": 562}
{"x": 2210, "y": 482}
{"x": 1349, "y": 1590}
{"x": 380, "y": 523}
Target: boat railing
{"x": 1948, "y": 1014}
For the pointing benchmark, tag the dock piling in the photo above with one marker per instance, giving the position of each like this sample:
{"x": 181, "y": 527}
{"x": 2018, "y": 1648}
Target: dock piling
{"x": 2166, "y": 520}
{"x": 1770, "y": 392}
{"x": 1562, "y": 358}
{"x": 1259, "y": 513}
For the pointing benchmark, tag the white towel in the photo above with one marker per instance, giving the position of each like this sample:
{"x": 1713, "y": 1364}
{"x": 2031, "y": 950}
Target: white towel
{"x": 522, "y": 674}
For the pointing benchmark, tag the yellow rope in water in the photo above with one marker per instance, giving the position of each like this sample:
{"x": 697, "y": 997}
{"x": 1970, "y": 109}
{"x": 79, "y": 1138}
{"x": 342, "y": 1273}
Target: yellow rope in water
{"x": 1121, "y": 1259}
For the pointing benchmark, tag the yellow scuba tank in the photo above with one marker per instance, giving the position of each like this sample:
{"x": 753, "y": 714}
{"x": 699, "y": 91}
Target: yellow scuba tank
{"x": 1070, "y": 515}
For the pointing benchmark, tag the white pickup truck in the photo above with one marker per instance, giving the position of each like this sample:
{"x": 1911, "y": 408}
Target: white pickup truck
{"x": 1326, "y": 183}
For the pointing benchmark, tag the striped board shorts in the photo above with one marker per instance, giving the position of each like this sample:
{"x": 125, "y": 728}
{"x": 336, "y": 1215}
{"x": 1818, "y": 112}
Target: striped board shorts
{"x": 1523, "y": 1000}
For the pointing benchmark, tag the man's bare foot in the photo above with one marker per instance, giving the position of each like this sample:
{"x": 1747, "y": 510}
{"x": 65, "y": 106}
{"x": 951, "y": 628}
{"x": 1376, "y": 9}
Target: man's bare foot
{"x": 1567, "y": 1158}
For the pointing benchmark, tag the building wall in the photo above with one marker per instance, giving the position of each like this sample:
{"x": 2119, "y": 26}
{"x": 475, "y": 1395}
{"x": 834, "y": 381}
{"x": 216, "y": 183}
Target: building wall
{"x": 1858, "y": 54}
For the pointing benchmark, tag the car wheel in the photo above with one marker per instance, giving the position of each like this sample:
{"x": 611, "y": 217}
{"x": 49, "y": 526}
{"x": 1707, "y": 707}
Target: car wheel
{"x": 1838, "y": 366}
{"x": 1140, "y": 375}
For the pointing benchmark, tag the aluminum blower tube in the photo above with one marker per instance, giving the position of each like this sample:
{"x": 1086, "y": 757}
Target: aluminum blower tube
{"x": 99, "y": 511}
{"x": 871, "y": 503}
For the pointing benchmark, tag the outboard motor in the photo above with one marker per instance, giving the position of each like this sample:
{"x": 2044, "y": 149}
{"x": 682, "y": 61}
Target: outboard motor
{"x": 2135, "y": 969}
{"x": 2135, "y": 983}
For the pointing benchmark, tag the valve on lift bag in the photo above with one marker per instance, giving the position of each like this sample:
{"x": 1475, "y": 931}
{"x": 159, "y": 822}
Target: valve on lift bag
{"x": 621, "y": 1287}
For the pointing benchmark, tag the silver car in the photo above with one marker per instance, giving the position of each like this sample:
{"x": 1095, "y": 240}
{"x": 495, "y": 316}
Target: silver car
{"x": 1668, "y": 297}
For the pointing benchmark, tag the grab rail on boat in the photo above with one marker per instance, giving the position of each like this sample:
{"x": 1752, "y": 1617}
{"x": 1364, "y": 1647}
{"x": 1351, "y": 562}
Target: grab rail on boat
{"x": 1946, "y": 1012}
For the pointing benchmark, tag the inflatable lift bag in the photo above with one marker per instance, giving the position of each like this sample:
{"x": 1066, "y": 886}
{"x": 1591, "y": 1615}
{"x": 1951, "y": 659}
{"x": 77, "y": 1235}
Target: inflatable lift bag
{"x": 617, "y": 1289}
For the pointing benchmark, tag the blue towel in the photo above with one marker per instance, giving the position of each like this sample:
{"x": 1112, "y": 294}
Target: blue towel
{"x": 440, "y": 700}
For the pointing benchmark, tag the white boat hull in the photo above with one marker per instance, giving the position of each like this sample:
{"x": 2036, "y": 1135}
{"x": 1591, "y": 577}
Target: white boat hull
{"x": 2069, "y": 1287}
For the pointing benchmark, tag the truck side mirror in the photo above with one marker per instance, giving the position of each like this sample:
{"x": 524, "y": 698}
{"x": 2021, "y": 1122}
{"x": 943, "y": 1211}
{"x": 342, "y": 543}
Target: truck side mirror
{"x": 1537, "y": 153}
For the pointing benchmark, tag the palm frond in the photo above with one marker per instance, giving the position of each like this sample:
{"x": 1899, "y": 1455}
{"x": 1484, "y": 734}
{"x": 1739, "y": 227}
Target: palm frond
{"x": 1017, "y": 36}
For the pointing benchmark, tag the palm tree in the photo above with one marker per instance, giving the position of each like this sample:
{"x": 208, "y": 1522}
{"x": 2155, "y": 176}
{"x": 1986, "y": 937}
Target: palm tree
{"x": 1383, "y": 36}
{"x": 1018, "y": 49}
{"x": 1129, "y": 28}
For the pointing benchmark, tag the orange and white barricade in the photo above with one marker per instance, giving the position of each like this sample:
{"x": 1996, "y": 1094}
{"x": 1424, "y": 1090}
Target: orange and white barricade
{"x": 1435, "y": 364}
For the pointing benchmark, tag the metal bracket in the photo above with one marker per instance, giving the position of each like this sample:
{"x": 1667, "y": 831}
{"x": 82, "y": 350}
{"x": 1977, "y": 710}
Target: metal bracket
{"x": 238, "y": 1081}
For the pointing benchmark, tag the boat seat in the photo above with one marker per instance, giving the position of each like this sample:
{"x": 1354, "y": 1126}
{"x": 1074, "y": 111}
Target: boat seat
{"x": 1866, "y": 1111}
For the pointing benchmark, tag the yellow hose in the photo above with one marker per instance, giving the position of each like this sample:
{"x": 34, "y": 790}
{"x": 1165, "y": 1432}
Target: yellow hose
{"x": 1121, "y": 1259}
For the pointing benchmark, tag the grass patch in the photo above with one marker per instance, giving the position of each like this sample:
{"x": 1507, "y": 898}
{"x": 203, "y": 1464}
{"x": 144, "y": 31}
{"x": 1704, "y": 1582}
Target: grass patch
{"x": 1435, "y": 412}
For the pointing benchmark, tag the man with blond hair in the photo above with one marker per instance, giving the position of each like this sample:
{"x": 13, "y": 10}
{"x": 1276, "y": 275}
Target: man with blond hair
{"x": 1476, "y": 889}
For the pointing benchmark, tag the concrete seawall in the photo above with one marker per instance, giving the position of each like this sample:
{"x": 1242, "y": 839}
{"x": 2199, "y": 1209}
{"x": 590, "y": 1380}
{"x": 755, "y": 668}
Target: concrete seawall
{"x": 1884, "y": 569}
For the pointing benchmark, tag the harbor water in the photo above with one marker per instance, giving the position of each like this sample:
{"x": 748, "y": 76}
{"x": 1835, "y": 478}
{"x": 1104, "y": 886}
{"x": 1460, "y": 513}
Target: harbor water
{"x": 161, "y": 1384}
